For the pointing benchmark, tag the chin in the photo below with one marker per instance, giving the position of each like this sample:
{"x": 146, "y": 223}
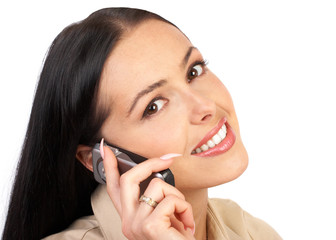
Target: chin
{"x": 217, "y": 171}
{"x": 238, "y": 167}
{"x": 239, "y": 164}
{"x": 231, "y": 170}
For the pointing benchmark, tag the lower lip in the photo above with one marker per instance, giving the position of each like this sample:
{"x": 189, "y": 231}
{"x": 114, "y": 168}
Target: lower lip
{"x": 222, "y": 147}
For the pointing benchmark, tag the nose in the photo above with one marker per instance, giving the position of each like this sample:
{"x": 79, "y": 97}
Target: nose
{"x": 202, "y": 109}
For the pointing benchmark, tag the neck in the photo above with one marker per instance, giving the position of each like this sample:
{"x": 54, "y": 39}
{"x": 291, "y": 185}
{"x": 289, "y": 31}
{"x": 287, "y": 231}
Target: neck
{"x": 199, "y": 202}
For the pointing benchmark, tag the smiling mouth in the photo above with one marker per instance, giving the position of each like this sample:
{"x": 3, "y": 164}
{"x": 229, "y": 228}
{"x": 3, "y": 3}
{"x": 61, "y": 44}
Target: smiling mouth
{"x": 219, "y": 140}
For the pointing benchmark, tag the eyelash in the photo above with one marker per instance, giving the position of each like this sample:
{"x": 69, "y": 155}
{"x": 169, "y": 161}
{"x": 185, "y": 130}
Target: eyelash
{"x": 146, "y": 114}
{"x": 202, "y": 63}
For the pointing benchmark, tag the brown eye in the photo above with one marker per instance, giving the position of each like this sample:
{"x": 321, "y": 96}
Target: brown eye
{"x": 154, "y": 106}
{"x": 195, "y": 71}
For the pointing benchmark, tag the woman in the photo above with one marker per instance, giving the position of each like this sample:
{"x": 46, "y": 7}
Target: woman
{"x": 134, "y": 79}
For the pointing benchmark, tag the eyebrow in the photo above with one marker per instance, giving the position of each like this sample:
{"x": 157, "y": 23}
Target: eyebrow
{"x": 158, "y": 84}
{"x": 187, "y": 56}
{"x": 147, "y": 90}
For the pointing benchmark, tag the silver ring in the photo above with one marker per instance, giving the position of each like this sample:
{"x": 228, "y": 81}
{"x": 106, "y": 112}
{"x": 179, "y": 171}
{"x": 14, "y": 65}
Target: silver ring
{"x": 148, "y": 200}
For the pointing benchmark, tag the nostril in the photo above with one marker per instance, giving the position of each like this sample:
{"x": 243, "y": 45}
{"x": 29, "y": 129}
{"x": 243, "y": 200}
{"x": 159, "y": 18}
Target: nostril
{"x": 206, "y": 117}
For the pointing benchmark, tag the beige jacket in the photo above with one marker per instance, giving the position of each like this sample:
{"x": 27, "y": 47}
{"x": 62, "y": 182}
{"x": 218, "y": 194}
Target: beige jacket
{"x": 225, "y": 220}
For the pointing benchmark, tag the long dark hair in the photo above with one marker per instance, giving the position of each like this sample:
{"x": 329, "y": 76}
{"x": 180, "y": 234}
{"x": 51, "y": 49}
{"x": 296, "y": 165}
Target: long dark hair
{"x": 51, "y": 187}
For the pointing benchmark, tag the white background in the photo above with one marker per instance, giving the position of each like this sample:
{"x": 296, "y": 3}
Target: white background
{"x": 277, "y": 58}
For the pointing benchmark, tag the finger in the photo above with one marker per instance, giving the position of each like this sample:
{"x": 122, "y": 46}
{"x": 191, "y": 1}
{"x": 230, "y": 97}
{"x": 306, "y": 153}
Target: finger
{"x": 157, "y": 190}
{"x": 112, "y": 177}
{"x": 178, "y": 225}
{"x": 129, "y": 182}
{"x": 172, "y": 205}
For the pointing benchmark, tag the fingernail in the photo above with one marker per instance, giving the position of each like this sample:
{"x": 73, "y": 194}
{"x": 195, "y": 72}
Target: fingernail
{"x": 194, "y": 229}
{"x": 170, "y": 155}
{"x": 101, "y": 147}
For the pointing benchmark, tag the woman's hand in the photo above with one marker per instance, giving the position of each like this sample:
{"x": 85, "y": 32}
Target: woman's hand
{"x": 172, "y": 218}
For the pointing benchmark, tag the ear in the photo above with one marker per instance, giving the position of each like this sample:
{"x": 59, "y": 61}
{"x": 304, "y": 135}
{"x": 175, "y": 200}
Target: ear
{"x": 84, "y": 155}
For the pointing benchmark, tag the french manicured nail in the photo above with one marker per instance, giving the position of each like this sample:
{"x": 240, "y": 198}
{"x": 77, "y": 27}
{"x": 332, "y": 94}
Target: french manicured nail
{"x": 170, "y": 155}
{"x": 101, "y": 147}
{"x": 192, "y": 230}
{"x": 189, "y": 229}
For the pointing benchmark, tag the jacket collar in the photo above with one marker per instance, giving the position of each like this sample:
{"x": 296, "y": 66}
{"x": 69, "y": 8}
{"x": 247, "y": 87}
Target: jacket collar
{"x": 220, "y": 220}
{"x": 110, "y": 222}
{"x": 106, "y": 214}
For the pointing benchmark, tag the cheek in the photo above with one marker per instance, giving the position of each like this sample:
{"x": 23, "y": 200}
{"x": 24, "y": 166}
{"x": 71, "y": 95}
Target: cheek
{"x": 217, "y": 92}
{"x": 220, "y": 94}
{"x": 163, "y": 138}
{"x": 214, "y": 89}
{"x": 153, "y": 138}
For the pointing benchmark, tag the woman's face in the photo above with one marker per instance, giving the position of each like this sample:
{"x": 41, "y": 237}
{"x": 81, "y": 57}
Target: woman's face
{"x": 163, "y": 99}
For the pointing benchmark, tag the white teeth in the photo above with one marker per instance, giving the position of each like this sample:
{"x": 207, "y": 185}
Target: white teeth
{"x": 211, "y": 144}
{"x": 215, "y": 140}
{"x": 222, "y": 133}
{"x": 204, "y": 147}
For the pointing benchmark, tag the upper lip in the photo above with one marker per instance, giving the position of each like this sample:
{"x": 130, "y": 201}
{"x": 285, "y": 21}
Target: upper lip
{"x": 211, "y": 133}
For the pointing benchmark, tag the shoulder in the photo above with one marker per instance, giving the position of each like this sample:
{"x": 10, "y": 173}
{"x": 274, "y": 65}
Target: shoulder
{"x": 228, "y": 214}
{"x": 85, "y": 228}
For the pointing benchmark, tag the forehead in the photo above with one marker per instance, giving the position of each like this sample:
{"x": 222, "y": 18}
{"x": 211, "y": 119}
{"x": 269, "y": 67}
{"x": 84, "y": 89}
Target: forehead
{"x": 145, "y": 54}
{"x": 148, "y": 41}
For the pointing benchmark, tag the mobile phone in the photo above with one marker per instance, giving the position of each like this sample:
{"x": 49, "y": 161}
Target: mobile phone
{"x": 126, "y": 160}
